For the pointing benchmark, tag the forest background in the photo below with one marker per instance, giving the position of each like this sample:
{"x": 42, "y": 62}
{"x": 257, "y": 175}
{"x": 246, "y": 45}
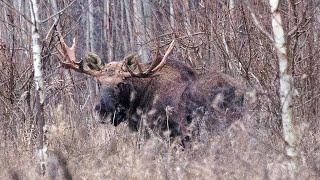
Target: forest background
{"x": 244, "y": 39}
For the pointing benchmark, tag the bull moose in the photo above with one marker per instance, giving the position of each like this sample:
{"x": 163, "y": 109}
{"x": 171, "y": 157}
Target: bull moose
{"x": 165, "y": 91}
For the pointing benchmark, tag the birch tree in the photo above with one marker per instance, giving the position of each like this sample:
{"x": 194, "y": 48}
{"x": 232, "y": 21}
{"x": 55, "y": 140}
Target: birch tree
{"x": 286, "y": 83}
{"x": 286, "y": 88}
{"x": 39, "y": 85}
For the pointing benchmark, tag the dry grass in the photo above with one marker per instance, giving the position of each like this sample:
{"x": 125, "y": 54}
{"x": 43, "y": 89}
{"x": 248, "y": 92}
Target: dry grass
{"x": 84, "y": 149}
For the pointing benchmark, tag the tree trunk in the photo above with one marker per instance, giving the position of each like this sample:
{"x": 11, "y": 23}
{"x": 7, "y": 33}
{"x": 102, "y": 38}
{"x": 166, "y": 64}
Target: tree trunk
{"x": 91, "y": 47}
{"x": 286, "y": 86}
{"x": 123, "y": 35}
{"x": 105, "y": 33}
{"x": 112, "y": 31}
{"x": 171, "y": 14}
{"x": 90, "y": 27}
{"x": 128, "y": 13}
{"x": 186, "y": 19}
{"x": 140, "y": 29}
{"x": 39, "y": 86}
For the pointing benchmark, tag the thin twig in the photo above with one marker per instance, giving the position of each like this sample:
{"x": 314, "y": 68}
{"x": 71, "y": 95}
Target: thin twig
{"x": 258, "y": 23}
{"x": 58, "y": 13}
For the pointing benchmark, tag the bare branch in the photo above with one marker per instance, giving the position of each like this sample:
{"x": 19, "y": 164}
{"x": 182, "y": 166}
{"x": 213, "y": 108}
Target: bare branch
{"x": 258, "y": 24}
{"x": 58, "y": 13}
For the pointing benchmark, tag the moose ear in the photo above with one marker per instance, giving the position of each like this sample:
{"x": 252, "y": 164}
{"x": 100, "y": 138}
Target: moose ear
{"x": 129, "y": 62}
{"x": 93, "y": 61}
{"x": 130, "y": 59}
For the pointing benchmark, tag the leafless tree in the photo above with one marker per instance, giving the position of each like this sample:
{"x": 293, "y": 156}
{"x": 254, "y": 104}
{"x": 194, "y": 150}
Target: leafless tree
{"x": 39, "y": 84}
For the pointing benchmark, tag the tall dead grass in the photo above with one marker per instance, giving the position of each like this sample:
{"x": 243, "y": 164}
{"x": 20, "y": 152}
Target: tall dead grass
{"x": 81, "y": 148}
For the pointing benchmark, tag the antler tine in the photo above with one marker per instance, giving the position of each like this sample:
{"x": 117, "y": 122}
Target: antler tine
{"x": 130, "y": 71}
{"x": 164, "y": 59}
{"x": 154, "y": 67}
{"x": 74, "y": 43}
{"x": 69, "y": 54}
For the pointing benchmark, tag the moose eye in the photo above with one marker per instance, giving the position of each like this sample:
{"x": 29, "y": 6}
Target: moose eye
{"x": 129, "y": 63}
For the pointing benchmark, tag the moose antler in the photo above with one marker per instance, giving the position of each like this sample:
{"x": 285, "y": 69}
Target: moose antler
{"x": 70, "y": 62}
{"x": 154, "y": 67}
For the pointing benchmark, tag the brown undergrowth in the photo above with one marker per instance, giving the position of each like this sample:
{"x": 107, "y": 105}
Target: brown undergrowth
{"x": 85, "y": 149}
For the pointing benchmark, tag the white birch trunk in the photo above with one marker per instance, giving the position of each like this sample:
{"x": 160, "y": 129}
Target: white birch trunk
{"x": 286, "y": 85}
{"x": 39, "y": 86}
{"x": 232, "y": 5}
{"x": 36, "y": 51}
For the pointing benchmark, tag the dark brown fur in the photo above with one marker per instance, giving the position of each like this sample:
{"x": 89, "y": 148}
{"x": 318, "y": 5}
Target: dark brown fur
{"x": 167, "y": 98}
